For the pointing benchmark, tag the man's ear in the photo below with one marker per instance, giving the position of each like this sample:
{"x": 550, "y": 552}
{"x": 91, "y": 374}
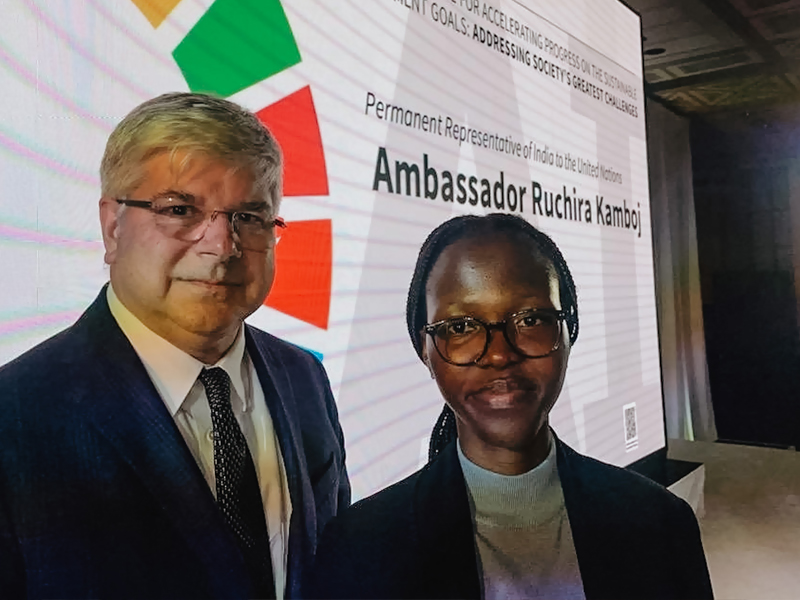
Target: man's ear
{"x": 109, "y": 225}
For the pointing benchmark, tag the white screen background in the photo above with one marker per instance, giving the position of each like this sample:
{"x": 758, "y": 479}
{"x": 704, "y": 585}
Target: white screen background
{"x": 70, "y": 71}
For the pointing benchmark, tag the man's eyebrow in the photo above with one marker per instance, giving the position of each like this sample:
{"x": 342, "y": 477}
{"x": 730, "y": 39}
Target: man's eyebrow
{"x": 254, "y": 205}
{"x": 181, "y": 195}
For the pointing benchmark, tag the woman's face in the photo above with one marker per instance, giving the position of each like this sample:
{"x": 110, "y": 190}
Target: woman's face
{"x": 503, "y": 400}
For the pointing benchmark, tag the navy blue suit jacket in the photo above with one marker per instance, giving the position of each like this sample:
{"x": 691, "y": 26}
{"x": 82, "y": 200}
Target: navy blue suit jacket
{"x": 99, "y": 494}
{"x": 633, "y": 538}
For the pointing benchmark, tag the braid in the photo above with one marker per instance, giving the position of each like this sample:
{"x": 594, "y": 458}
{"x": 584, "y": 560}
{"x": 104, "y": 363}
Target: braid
{"x": 443, "y": 432}
{"x": 450, "y": 232}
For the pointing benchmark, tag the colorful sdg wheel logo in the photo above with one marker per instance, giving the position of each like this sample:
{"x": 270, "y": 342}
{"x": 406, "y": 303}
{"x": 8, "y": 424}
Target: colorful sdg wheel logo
{"x": 234, "y": 45}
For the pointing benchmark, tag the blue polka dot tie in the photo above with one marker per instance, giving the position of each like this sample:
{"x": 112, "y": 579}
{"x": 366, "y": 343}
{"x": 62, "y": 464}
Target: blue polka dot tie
{"x": 238, "y": 494}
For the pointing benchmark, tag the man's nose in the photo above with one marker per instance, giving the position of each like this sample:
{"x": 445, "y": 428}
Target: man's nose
{"x": 219, "y": 237}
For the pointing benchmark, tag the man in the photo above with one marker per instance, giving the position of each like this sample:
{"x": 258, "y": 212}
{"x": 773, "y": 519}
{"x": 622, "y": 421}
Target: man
{"x": 159, "y": 447}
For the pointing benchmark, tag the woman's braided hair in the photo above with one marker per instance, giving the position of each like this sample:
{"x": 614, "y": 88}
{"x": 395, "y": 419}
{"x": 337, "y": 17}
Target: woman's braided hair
{"x": 471, "y": 226}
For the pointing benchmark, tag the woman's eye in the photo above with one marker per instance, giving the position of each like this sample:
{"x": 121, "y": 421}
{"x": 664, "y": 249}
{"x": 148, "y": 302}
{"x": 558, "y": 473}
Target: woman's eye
{"x": 535, "y": 320}
{"x": 460, "y": 327}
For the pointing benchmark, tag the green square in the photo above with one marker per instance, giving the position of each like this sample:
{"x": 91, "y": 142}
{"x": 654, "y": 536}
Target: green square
{"x": 236, "y": 44}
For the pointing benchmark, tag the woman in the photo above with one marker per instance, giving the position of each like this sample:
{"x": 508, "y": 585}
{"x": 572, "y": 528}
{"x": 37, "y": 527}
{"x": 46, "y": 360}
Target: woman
{"x": 504, "y": 509}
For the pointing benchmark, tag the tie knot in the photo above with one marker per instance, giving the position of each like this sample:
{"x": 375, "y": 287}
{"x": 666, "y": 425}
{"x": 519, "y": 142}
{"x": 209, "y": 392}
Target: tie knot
{"x": 217, "y": 384}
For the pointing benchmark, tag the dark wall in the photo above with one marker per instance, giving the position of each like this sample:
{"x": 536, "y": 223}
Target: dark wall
{"x": 743, "y": 181}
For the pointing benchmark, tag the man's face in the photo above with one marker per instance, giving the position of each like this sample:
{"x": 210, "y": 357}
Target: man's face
{"x": 192, "y": 290}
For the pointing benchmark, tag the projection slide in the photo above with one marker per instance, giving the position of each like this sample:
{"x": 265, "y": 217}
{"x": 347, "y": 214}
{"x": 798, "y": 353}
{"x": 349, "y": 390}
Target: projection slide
{"x": 394, "y": 115}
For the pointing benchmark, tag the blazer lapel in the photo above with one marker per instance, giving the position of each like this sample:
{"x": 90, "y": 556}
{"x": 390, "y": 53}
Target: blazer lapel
{"x": 123, "y": 404}
{"x": 585, "y": 510}
{"x": 278, "y": 392}
{"x": 445, "y": 529}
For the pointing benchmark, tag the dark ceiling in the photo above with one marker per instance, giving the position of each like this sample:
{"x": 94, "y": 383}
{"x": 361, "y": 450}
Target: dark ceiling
{"x": 723, "y": 59}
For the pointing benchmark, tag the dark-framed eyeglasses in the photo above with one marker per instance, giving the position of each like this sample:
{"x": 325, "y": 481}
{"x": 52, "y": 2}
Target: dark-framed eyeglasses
{"x": 182, "y": 220}
{"x": 463, "y": 341}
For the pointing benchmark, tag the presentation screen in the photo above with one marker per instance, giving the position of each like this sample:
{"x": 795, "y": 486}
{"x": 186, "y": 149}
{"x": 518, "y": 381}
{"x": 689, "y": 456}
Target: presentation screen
{"x": 393, "y": 115}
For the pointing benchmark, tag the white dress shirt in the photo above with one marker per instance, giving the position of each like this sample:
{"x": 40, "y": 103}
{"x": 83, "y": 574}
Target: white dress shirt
{"x": 175, "y": 375}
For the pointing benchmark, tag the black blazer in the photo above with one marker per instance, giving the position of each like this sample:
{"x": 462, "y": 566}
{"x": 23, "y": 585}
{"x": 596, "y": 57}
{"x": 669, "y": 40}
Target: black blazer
{"x": 99, "y": 494}
{"x": 633, "y": 538}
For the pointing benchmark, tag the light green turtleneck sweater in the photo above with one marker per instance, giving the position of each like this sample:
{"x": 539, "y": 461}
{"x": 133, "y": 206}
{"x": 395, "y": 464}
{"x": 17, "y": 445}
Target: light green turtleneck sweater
{"x": 522, "y": 535}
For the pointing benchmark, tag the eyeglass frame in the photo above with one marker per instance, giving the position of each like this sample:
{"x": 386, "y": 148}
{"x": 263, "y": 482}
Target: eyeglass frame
{"x": 230, "y": 214}
{"x": 561, "y": 317}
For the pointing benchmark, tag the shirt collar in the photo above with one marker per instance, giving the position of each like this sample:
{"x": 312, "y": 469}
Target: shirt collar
{"x": 514, "y": 500}
{"x": 173, "y": 371}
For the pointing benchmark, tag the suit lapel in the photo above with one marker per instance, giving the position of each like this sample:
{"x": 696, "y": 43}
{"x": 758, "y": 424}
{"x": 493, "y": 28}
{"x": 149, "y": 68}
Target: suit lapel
{"x": 447, "y": 543}
{"x": 278, "y": 392}
{"x": 122, "y": 403}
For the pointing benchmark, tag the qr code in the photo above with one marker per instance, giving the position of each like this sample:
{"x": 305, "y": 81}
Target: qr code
{"x": 630, "y": 425}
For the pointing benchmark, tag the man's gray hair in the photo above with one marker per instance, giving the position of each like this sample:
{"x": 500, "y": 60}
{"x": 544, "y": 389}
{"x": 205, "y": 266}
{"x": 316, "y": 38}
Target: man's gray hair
{"x": 193, "y": 124}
